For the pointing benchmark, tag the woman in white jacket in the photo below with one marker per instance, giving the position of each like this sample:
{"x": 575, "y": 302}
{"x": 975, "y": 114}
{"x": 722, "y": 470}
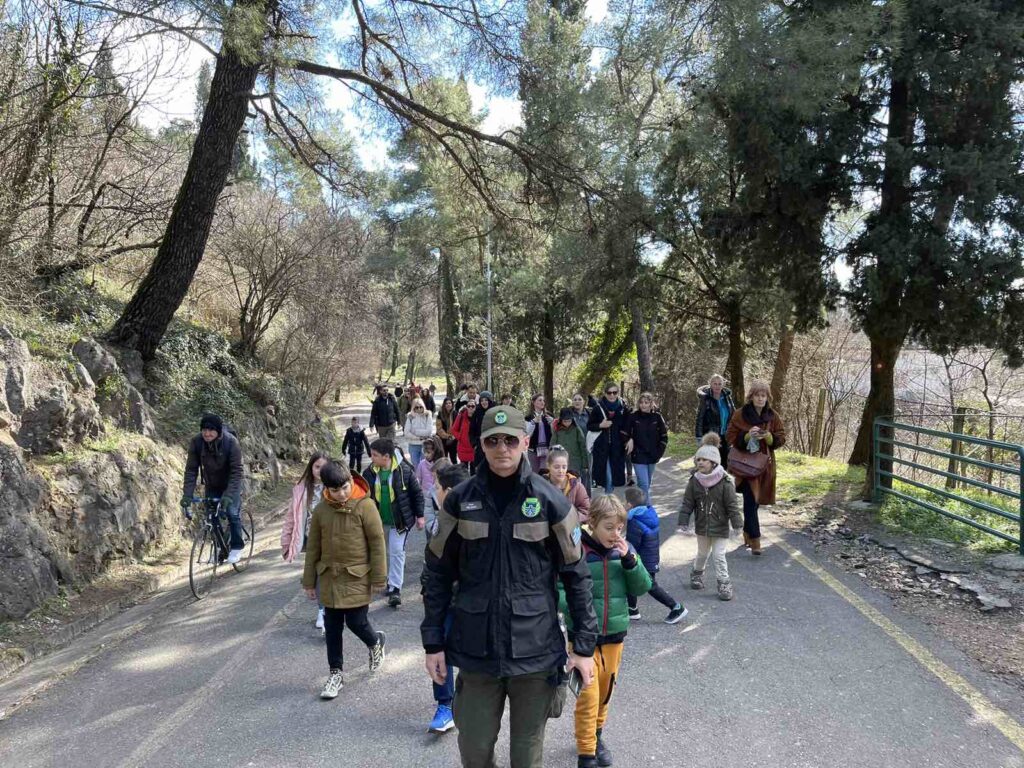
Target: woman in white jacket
{"x": 419, "y": 425}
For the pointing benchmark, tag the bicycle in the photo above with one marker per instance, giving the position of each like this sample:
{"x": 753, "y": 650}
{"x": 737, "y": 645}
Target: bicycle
{"x": 211, "y": 543}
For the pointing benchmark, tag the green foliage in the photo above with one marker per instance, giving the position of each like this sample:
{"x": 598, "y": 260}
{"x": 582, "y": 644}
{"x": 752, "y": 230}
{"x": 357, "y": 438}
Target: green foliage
{"x": 810, "y": 478}
{"x": 902, "y": 515}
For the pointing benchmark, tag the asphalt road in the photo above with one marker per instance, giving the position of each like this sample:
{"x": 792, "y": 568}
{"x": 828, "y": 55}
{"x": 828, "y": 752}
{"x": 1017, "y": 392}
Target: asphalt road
{"x": 789, "y": 674}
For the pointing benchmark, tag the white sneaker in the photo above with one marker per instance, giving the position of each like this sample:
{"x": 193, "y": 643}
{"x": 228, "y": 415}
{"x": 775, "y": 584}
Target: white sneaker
{"x": 334, "y": 685}
{"x": 320, "y": 619}
{"x": 234, "y": 556}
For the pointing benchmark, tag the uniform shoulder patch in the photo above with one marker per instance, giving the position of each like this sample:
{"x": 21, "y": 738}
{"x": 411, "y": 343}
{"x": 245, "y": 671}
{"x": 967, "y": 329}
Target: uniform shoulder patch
{"x": 531, "y": 507}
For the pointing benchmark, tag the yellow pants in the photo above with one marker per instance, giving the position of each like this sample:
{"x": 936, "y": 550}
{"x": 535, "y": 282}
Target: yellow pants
{"x": 592, "y": 704}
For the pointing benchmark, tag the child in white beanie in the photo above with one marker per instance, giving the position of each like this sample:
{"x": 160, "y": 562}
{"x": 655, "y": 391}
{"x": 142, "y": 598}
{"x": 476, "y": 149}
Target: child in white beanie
{"x": 711, "y": 497}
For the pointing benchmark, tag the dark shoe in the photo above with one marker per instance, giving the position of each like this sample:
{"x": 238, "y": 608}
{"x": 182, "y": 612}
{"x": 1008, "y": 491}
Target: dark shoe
{"x": 631, "y": 482}
{"x": 395, "y": 598}
{"x": 377, "y": 652}
{"x": 586, "y": 761}
{"x": 634, "y": 614}
{"x": 604, "y": 755}
{"x": 676, "y": 615}
{"x": 696, "y": 579}
{"x": 725, "y": 590}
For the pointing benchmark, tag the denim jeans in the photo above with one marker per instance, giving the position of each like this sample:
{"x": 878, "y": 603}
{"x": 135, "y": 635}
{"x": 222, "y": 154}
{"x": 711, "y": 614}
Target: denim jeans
{"x": 443, "y": 694}
{"x": 415, "y": 453}
{"x": 644, "y": 476}
{"x": 608, "y": 484}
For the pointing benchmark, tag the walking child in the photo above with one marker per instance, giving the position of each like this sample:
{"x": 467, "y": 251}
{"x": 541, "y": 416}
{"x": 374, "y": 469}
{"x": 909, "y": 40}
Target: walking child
{"x": 558, "y": 475}
{"x": 643, "y": 531}
{"x": 711, "y": 497}
{"x": 617, "y": 573}
{"x": 346, "y": 559}
{"x": 353, "y": 444}
{"x": 432, "y": 451}
{"x": 295, "y": 529}
{"x": 397, "y": 493}
{"x": 446, "y": 477}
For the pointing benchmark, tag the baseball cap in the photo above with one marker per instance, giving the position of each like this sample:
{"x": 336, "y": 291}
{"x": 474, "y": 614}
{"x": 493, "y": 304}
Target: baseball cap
{"x": 503, "y": 420}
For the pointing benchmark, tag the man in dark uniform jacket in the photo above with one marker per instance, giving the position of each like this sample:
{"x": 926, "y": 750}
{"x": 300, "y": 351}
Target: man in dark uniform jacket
{"x": 504, "y": 536}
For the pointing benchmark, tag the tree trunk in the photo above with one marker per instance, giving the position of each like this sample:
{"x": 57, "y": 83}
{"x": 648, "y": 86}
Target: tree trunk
{"x": 547, "y": 344}
{"x": 144, "y": 321}
{"x": 410, "y": 367}
{"x": 643, "y": 347}
{"x": 734, "y": 365}
{"x": 881, "y": 401}
{"x": 782, "y": 361}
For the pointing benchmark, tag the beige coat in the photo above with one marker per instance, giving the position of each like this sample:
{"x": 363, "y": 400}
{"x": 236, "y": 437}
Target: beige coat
{"x": 345, "y": 552}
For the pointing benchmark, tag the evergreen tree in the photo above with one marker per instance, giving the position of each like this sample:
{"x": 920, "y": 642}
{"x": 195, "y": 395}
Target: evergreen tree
{"x": 939, "y": 260}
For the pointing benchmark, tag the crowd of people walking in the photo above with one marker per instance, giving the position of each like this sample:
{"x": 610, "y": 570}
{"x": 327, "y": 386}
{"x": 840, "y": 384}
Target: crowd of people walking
{"x": 531, "y": 574}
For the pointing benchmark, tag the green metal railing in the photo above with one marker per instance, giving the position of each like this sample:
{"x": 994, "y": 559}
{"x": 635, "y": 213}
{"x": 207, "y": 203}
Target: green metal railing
{"x": 885, "y": 463}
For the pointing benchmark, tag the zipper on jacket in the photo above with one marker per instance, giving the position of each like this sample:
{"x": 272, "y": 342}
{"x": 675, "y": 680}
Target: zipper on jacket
{"x": 604, "y": 565}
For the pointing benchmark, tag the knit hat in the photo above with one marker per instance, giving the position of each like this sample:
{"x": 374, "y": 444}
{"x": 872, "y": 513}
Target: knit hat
{"x": 485, "y": 395}
{"x": 212, "y": 421}
{"x": 709, "y": 448}
{"x": 565, "y": 413}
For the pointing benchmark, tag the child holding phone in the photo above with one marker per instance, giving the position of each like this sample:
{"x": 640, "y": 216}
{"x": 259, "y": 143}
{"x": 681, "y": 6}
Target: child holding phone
{"x": 617, "y": 573}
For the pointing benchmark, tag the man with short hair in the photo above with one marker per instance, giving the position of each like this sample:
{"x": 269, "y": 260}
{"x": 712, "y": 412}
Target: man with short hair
{"x": 384, "y": 413}
{"x": 215, "y": 455}
{"x": 503, "y": 536}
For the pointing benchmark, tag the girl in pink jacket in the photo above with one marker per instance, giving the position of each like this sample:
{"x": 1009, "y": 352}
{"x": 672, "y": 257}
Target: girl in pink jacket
{"x": 558, "y": 475}
{"x": 305, "y": 496}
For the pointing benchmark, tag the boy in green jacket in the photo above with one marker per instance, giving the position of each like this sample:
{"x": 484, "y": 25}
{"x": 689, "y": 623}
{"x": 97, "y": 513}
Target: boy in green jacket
{"x": 617, "y": 573}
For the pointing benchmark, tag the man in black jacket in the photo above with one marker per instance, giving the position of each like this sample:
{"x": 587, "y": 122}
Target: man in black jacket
{"x": 216, "y": 454}
{"x": 503, "y": 537}
{"x": 384, "y": 413}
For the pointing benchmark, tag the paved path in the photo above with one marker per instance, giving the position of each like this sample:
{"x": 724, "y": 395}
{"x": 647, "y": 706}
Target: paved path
{"x": 790, "y": 674}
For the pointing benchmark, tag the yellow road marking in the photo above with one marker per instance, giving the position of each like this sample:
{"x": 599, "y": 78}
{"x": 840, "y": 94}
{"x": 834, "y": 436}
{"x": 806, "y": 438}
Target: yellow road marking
{"x": 984, "y": 708}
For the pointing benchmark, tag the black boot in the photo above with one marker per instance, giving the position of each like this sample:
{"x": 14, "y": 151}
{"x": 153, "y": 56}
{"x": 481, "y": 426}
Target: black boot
{"x": 586, "y": 761}
{"x": 604, "y": 755}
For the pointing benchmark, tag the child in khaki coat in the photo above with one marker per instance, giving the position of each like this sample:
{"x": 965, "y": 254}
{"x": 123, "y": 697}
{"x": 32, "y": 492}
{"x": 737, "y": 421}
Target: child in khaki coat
{"x": 345, "y": 552}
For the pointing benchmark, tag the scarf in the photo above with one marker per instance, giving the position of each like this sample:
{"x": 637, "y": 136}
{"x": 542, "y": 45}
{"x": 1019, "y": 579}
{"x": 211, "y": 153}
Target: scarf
{"x": 543, "y": 438}
{"x": 750, "y": 416}
{"x": 611, "y": 408}
{"x": 711, "y": 478}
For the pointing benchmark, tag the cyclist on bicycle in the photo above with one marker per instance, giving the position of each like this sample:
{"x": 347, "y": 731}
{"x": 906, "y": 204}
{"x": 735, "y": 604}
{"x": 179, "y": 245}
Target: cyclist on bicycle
{"x": 217, "y": 455}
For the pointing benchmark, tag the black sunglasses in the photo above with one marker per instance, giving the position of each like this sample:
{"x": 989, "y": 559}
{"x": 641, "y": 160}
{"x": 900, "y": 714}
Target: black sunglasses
{"x": 611, "y": 391}
{"x": 511, "y": 441}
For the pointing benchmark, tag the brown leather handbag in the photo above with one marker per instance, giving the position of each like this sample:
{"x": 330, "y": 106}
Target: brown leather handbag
{"x": 746, "y": 464}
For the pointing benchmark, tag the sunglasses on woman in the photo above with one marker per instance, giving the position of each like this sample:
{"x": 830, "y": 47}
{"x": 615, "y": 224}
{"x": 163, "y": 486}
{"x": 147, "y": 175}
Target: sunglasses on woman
{"x": 611, "y": 391}
{"x": 510, "y": 441}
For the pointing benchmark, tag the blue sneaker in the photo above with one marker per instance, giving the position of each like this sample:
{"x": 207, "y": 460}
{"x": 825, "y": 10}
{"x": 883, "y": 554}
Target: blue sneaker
{"x": 443, "y": 720}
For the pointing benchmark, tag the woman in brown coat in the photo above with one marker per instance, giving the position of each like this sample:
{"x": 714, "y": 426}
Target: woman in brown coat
{"x": 346, "y": 558}
{"x": 756, "y": 426}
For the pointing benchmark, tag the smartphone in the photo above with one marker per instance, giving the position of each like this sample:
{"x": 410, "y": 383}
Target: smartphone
{"x": 575, "y": 682}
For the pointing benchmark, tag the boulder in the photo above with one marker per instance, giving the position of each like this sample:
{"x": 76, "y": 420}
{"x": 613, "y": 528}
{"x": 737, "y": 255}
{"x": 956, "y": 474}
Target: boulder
{"x": 28, "y": 573}
{"x": 15, "y": 373}
{"x": 1008, "y": 562}
{"x": 126, "y": 406}
{"x": 82, "y": 377}
{"x": 112, "y": 507}
{"x": 56, "y": 420}
{"x": 96, "y": 359}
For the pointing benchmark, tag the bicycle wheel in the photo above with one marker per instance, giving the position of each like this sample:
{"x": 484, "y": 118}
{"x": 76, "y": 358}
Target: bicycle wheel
{"x": 202, "y": 565}
{"x": 249, "y": 541}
